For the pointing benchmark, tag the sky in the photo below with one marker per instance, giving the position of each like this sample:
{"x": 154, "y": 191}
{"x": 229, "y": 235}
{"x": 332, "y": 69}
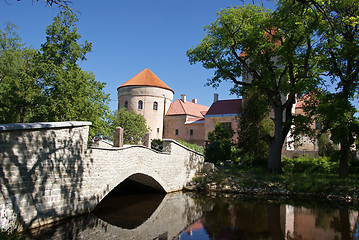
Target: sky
{"x": 129, "y": 36}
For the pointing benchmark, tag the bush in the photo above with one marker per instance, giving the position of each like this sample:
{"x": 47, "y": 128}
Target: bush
{"x": 192, "y": 146}
{"x": 309, "y": 164}
{"x": 219, "y": 144}
{"x": 157, "y": 145}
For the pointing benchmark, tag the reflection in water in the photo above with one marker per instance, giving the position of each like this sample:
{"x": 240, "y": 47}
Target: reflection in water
{"x": 241, "y": 219}
{"x": 187, "y": 216}
{"x": 129, "y": 211}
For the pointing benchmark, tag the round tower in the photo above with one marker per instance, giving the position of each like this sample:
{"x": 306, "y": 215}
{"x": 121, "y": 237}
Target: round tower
{"x": 145, "y": 93}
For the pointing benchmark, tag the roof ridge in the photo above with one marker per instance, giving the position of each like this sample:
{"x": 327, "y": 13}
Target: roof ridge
{"x": 182, "y": 105}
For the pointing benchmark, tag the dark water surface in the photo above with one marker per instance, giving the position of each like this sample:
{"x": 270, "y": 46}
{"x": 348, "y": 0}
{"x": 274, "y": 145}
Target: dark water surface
{"x": 190, "y": 216}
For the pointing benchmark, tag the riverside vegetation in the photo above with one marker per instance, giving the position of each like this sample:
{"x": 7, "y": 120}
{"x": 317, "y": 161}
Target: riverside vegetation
{"x": 304, "y": 177}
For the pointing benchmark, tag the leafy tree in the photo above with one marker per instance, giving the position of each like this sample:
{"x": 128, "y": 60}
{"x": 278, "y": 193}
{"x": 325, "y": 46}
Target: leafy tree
{"x": 18, "y": 88}
{"x": 219, "y": 144}
{"x": 271, "y": 51}
{"x": 338, "y": 51}
{"x": 254, "y": 125}
{"x": 133, "y": 124}
{"x": 68, "y": 92}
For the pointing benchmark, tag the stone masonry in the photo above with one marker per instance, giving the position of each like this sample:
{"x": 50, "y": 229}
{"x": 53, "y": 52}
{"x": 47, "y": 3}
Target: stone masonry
{"x": 48, "y": 173}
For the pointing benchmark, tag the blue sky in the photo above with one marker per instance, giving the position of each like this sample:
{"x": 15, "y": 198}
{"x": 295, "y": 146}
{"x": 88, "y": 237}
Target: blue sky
{"x": 129, "y": 36}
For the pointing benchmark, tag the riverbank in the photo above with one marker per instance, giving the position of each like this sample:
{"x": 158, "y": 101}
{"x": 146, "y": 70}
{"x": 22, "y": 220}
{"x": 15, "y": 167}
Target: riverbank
{"x": 257, "y": 182}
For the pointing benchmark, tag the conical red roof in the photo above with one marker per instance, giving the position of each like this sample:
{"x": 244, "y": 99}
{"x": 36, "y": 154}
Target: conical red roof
{"x": 146, "y": 78}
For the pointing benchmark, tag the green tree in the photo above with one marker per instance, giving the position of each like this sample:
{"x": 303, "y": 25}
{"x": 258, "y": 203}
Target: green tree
{"x": 18, "y": 85}
{"x": 68, "y": 92}
{"x": 271, "y": 51}
{"x": 338, "y": 50}
{"x": 218, "y": 146}
{"x": 253, "y": 125}
{"x": 133, "y": 124}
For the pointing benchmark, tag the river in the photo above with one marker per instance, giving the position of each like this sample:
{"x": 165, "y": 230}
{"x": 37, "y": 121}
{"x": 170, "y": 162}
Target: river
{"x": 183, "y": 216}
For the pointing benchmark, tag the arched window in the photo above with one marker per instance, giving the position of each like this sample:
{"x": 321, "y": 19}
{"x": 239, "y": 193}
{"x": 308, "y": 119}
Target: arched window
{"x": 126, "y": 104}
{"x": 140, "y": 104}
{"x": 155, "y": 106}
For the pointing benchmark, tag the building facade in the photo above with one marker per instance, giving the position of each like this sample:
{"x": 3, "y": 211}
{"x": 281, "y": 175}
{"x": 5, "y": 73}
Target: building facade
{"x": 185, "y": 121}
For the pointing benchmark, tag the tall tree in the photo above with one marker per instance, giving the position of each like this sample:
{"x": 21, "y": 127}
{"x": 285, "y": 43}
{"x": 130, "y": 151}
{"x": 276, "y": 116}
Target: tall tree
{"x": 18, "y": 88}
{"x": 271, "y": 51}
{"x": 338, "y": 31}
{"x": 68, "y": 92}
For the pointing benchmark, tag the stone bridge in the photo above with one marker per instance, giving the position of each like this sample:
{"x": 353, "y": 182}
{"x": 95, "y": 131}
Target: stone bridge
{"x": 48, "y": 173}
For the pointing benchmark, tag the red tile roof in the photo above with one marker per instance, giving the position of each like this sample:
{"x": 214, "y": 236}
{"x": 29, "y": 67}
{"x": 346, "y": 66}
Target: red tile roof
{"x": 179, "y": 107}
{"x": 146, "y": 78}
{"x": 233, "y": 106}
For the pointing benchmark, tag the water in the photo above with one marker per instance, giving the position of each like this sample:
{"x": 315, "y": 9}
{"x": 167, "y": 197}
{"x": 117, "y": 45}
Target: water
{"x": 190, "y": 216}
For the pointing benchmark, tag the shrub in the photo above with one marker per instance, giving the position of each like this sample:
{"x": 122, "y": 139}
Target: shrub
{"x": 219, "y": 144}
{"x": 192, "y": 146}
{"x": 309, "y": 164}
{"x": 157, "y": 145}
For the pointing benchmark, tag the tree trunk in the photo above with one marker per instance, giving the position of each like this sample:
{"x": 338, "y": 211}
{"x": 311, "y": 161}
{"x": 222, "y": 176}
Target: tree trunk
{"x": 345, "y": 145}
{"x": 275, "y": 144}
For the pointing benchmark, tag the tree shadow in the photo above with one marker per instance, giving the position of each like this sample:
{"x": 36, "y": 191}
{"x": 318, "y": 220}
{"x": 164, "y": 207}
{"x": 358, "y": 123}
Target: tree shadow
{"x": 41, "y": 175}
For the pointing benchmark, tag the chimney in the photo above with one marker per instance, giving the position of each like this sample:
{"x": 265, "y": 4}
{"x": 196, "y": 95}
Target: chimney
{"x": 183, "y": 97}
{"x": 215, "y": 99}
{"x": 194, "y": 100}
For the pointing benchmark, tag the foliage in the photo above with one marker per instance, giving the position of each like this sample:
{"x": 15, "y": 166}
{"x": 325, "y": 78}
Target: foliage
{"x": 192, "y": 146}
{"x": 18, "y": 90}
{"x": 48, "y": 84}
{"x": 219, "y": 143}
{"x": 133, "y": 124}
{"x": 338, "y": 54}
{"x": 254, "y": 124}
{"x": 326, "y": 147}
{"x": 309, "y": 164}
{"x": 252, "y": 43}
{"x": 157, "y": 145}
{"x": 258, "y": 181}
{"x": 68, "y": 92}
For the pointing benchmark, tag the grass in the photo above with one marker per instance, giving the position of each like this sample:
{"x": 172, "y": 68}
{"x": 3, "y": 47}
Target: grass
{"x": 308, "y": 184}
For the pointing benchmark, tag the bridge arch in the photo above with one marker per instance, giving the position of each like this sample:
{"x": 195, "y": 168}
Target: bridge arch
{"x": 144, "y": 175}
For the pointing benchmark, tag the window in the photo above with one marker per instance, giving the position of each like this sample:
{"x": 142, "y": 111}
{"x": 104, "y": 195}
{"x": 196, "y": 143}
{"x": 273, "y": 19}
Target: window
{"x": 155, "y": 106}
{"x": 191, "y": 132}
{"x": 158, "y": 130}
{"x": 140, "y": 104}
{"x": 176, "y": 132}
{"x": 226, "y": 125}
{"x": 126, "y": 104}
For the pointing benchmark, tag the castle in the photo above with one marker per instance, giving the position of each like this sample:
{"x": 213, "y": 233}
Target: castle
{"x": 186, "y": 120}
{"x": 183, "y": 120}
